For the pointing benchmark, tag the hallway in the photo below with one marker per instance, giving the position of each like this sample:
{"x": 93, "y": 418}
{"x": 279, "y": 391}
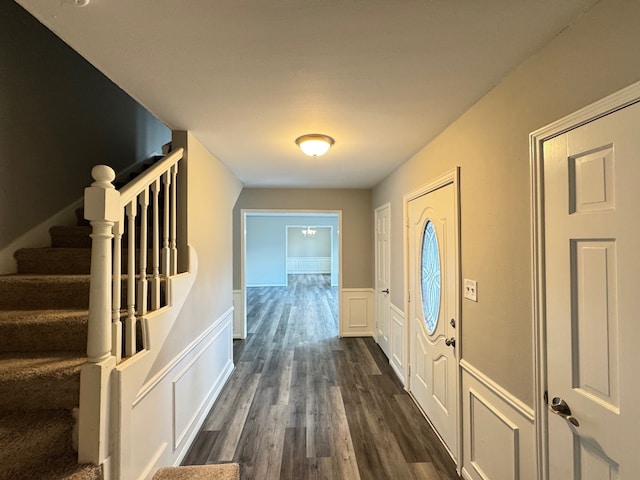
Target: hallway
{"x": 305, "y": 404}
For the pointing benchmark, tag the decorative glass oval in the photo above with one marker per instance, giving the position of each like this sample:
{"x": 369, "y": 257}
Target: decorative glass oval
{"x": 430, "y": 277}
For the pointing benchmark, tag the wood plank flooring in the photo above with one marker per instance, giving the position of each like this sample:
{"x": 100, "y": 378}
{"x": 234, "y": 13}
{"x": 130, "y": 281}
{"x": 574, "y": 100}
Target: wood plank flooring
{"x": 305, "y": 404}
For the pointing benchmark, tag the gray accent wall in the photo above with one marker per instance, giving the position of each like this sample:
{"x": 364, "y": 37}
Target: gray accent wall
{"x": 59, "y": 116}
{"x": 594, "y": 57}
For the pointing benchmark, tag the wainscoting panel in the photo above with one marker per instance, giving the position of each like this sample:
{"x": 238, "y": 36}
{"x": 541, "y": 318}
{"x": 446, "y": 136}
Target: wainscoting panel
{"x": 164, "y": 418}
{"x": 357, "y": 316}
{"x": 397, "y": 342}
{"x": 308, "y": 265}
{"x": 498, "y": 431}
{"x": 239, "y": 327}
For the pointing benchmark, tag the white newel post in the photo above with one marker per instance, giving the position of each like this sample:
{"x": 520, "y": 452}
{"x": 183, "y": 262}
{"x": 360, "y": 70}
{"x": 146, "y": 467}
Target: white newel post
{"x": 101, "y": 208}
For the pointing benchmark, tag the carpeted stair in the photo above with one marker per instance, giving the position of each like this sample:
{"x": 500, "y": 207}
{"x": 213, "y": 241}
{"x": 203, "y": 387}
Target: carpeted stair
{"x": 43, "y": 337}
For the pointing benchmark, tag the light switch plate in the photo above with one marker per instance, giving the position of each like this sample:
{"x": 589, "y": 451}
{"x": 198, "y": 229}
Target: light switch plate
{"x": 471, "y": 289}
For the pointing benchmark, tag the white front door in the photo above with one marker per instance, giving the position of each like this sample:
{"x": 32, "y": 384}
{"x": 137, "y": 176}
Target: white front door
{"x": 592, "y": 264}
{"x": 382, "y": 266}
{"x": 433, "y": 288}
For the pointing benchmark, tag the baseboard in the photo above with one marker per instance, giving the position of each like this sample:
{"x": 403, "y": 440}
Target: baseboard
{"x": 38, "y": 236}
{"x": 498, "y": 430}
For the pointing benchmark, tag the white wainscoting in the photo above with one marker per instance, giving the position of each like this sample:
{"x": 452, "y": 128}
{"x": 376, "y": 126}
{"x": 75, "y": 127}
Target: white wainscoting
{"x": 308, "y": 265}
{"x": 397, "y": 338}
{"x": 357, "y": 315}
{"x": 239, "y": 327}
{"x": 498, "y": 431}
{"x": 160, "y": 424}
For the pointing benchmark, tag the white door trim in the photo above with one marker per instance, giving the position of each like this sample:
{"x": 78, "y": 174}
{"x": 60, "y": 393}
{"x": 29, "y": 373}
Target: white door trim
{"x": 450, "y": 177}
{"x": 243, "y": 251}
{"x": 607, "y": 105}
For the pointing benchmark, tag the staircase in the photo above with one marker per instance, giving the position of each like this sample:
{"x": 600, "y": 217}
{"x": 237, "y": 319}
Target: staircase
{"x": 43, "y": 341}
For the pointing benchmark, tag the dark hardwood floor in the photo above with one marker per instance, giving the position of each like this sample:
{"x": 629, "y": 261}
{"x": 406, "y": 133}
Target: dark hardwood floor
{"x": 305, "y": 404}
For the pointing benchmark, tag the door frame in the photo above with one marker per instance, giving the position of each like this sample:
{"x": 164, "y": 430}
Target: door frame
{"x": 375, "y": 268}
{"x": 449, "y": 177}
{"x": 243, "y": 251}
{"x": 624, "y": 98}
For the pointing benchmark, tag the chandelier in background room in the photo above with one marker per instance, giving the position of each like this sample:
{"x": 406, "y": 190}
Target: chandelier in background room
{"x": 308, "y": 232}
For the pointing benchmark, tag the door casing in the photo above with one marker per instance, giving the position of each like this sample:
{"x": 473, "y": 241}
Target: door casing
{"x": 450, "y": 177}
{"x": 607, "y": 105}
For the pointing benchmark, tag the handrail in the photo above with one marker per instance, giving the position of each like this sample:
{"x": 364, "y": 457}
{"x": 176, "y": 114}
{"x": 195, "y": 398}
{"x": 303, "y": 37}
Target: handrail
{"x": 154, "y": 172}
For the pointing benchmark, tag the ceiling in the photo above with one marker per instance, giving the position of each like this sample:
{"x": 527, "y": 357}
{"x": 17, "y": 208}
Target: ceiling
{"x": 247, "y": 77}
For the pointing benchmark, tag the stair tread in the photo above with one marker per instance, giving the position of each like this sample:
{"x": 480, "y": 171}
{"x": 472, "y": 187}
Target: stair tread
{"x": 35, "y": 364}
{"x": 42, "y": 277}
{"x": 43, "y": 330}
{"x": 37, "y": 444}
{"x": 37, "y": 316}
{"x": 30, "y": 380}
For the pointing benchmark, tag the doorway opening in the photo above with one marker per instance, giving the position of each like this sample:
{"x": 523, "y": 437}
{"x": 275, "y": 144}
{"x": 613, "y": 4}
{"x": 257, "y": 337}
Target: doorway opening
{"x": 289, "y": 249}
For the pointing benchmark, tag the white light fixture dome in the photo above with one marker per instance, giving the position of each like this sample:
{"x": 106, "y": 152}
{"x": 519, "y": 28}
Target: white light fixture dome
{"x": 315, "y": 144}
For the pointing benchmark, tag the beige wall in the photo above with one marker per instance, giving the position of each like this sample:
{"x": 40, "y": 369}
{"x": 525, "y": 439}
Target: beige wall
{"x": 595, "y": 56}
{"x": 357, "y": 242}
{"x": 212, "y": 192}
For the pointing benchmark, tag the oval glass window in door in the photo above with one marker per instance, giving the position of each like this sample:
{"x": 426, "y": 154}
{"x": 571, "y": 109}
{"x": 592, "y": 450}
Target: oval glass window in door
{"x": 430, "y": 277}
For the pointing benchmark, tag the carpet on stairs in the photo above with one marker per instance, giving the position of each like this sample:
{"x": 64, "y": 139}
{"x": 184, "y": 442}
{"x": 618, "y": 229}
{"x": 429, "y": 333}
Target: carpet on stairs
{"x": 224, "y": 471}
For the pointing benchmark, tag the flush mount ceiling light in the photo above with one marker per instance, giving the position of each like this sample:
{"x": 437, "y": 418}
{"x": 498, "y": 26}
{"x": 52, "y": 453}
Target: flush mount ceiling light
{"x": 315, "y": 144}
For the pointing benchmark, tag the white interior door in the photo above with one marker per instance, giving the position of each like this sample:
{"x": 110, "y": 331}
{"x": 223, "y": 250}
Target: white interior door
{"x": 433, "y": 309}
{"x": 383, "y": 267}
{"x": 592, "y": 264}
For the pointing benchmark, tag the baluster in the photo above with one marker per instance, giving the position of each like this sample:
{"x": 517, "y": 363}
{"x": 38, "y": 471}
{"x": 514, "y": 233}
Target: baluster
{"x": 166, "y": 252}
{"x": 174, "y": 225}
{"x": 143, "y": 198}
{"x": 155, "y": 281}
{"x": 116, "y": 346}
{"x": 130, "y": 323}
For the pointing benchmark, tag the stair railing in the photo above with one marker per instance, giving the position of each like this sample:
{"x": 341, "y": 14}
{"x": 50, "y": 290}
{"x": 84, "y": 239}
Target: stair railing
{"x": 115, "y": 215}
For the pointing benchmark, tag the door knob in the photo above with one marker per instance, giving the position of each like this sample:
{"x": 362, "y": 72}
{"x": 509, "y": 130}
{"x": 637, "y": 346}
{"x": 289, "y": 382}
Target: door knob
{"x": 386, "y": 290}
{"x": 450, "y": 342}
{"x": 560, "y": 407}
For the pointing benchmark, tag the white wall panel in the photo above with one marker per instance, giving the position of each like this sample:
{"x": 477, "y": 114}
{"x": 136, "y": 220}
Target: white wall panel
{"x": 357, "y": 312}
{"x": 161, "y": 421}
{"x": 398, "y": 339}
{"x": 239, "y": 326}
{"x": 498, "y": 431}
{"x": 308, "y": 265}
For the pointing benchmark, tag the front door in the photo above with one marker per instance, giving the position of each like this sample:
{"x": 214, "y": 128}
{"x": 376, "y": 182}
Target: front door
{"x": 433, "y": 309}
{"x": 383, "y": 266}
{"x": 592, "y": 264}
